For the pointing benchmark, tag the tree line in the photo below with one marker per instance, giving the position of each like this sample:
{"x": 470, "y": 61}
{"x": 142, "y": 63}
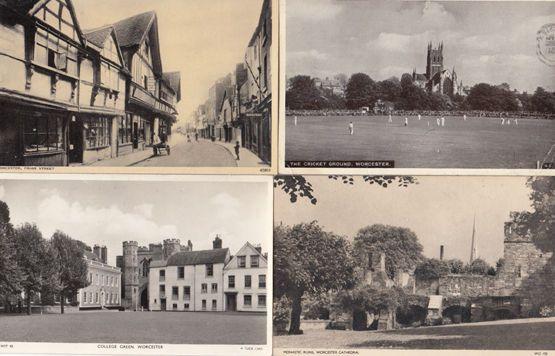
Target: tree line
{"x": 32, "y": 265}
{"x": 362, "y": 91}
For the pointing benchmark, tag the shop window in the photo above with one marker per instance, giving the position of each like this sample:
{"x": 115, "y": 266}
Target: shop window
{"x": 97, "y": 132}
{"x": 204, "y": 304}
{"x": 214, "y": 304}
{"x": 125, "y": 130}
{"x": 43, "y": 134}
{"x": 186, "y": 306}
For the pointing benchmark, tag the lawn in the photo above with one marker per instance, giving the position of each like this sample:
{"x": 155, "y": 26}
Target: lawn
{"x": 137, "y": 327}
{"x": 474, "y": 143}
{"x": 506, "y": 335}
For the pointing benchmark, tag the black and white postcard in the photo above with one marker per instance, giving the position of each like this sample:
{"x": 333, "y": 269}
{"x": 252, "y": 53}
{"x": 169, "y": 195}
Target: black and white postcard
{"x": 417, "y": 85}
{"x": 137, "y": 86}
{"x": 135, "y": 265}
{"x": 450, "y": 264}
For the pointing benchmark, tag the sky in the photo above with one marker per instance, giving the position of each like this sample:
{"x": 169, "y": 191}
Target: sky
{"x": 492, "y": 42}
{"x": 203, "y": 40}
{"x": 440, "y": 210}
{"x": 110, "y": 212}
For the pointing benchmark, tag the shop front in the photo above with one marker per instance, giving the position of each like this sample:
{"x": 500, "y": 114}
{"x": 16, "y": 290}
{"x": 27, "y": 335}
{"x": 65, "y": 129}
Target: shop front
{"x": 33, "y": 135}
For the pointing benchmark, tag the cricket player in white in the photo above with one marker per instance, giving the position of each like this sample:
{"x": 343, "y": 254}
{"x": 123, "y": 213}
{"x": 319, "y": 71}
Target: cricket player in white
{"x": 390, "y": 118}
{"x": 419, "y": 117}
{"x": 464, "y": 117}
{"x": 295, "y": 120}
{"x": 437, "y": 121}
{"x": 351, "y": 128}
{"x": 406, "y": 121}
{"x": 442, "y": 121}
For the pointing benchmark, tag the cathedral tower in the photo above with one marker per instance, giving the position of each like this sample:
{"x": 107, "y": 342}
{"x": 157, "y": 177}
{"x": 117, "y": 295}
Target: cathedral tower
{"x": 434, "y": 62}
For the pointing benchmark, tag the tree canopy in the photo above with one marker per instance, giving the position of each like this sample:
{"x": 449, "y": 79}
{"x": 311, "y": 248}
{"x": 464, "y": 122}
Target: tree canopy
{"x": 308, "y": 259}
{"x": 400, "y": 245}
{"x": 71, "y": 267}
{"x": 361, "y": 91}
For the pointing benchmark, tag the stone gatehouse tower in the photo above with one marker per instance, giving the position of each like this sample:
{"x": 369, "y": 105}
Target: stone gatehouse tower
{"x": 135, "y": 263}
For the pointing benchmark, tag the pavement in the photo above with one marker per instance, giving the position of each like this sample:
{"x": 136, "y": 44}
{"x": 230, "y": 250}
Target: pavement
{"x": 247, "y": 157}
{"x": 183, "y": 154}
{"x": 202, "y": 153}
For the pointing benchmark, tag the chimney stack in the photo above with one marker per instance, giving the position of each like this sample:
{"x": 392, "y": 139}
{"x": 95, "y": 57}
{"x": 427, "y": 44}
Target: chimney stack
{"x": 441, "y": 251}
{"x": 217, "y": 243}
{"x": 190, "y": 245}
{"x": 96, "y": 251}
{"x": 258, "y": 248}
{"x": 104, "y": 254}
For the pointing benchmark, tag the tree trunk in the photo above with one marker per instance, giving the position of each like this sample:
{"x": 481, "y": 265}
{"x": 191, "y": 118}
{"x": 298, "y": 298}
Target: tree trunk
{"x": 296, "y": 309}
{"x": 62, "y": 301}
{"x": 28, "y": 297}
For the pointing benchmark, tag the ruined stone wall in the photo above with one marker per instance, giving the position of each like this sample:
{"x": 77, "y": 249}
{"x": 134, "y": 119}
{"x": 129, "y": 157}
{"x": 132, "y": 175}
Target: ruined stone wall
{"x": 466, "y": 285}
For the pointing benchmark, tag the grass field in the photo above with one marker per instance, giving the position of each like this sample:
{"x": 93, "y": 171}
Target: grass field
{"x": 137, "y": 327}
{"x": 474, "y": 143}
{"x": 532, "y": 334}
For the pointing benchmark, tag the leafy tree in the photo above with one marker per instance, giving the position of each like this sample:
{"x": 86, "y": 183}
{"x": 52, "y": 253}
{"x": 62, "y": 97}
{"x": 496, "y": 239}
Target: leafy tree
{"x": 71, "y": 267}
{"x": 370, "y": 299}
{"x": 389, "y": 89}
{"x": 35, "y": 261}
{"x": 478, "y": 266}
{"x": 488, "y": 97}
{"x": 361, "y": 91}
{"x": 309, "y": 260}
{"x": 10, "y": 276}
{"x": 300, "y": 186}
{"x": 303, "y": 94}
{"x": 456, "y": 266}
{"x": 540, "y": 222}
{"x": 432, "y": 268}
{"x": 412, "y": 97}
{"x": 400, "y": 246}
{"x": 543, "y": 100}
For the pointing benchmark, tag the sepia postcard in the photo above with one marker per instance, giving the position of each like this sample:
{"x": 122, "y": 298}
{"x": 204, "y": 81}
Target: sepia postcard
{"x": 156, "y": 265}
{"x": 417, "y": 87}
{"x": 125, "y": 86}
{"x": 366, "y": 264}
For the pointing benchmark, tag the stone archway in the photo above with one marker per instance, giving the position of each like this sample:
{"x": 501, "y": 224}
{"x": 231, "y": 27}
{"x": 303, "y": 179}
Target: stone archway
{"x": 144, "y": 299}
{"x": 457, "y": 314}
{"x": 413, "y": 315}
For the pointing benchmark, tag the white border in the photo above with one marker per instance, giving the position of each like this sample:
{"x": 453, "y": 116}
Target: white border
{"x": 167, "y": 349}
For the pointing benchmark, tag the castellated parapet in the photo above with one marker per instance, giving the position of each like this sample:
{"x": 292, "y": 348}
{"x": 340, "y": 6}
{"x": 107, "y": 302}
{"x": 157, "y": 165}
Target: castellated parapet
{"x": 171, "y": 246}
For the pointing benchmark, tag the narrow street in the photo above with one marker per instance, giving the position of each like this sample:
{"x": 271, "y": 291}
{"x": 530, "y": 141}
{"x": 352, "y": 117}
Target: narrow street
{"x": 191, "y": 154}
